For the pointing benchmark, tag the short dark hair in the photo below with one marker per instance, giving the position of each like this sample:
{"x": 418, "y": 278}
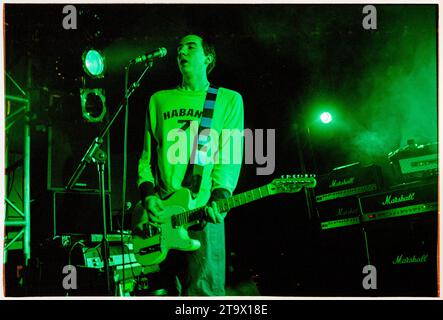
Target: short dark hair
{"x": 208, "y": 48}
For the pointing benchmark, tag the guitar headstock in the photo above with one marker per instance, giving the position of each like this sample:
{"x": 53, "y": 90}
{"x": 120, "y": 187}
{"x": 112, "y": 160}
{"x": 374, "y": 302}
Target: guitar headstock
{"x": 292, "y": 183}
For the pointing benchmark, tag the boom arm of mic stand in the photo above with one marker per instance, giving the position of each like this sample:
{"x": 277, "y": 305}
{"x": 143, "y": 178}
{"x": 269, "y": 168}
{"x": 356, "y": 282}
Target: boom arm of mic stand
{"x": 87, "y": 158}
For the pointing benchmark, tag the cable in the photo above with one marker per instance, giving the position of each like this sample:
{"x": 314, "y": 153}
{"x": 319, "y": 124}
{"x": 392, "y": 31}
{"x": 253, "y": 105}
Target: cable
{"x": 130, "y": 262}
{"x": 10, "y": 182}
{"x": 70, "y": 253}
{"x": 18, "y": 194}
{"x": 72, "y": 248}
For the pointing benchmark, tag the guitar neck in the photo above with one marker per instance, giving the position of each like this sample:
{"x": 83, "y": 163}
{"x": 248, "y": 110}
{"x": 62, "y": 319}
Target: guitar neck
{"x": 224, "y": 205}
{"x": 240, "y": 199}
{"x": 282, "y": 185}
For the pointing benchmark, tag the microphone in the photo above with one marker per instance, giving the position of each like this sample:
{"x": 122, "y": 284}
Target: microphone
{"x": 156, "y": 54}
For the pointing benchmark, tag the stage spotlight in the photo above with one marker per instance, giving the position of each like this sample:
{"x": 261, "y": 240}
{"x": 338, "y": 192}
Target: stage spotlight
{"x": 93, "y": 63}
{"x": 92, "y": 92}
{"x": 93, "y": 103}
{"x": 326, "y": 117}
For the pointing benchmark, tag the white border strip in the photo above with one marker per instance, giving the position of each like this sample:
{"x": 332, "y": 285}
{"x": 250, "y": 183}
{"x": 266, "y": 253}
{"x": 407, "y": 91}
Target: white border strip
{"x": 357, "y": 2}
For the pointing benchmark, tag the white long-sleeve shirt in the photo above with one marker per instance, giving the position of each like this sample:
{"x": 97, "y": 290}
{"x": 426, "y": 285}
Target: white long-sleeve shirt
{"x": 172, "y": 109}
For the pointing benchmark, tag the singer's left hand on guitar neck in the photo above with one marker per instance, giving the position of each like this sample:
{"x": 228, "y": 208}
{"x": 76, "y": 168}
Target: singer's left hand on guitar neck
{"x": 212, "y": 213}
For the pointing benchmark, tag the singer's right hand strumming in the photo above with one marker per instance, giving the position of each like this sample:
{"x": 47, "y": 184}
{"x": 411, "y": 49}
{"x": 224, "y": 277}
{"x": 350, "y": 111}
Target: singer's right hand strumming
{"x": 154, "y": 208}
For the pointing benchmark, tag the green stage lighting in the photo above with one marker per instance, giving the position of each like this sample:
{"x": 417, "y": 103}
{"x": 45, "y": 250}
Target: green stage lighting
{"x": 326, "y": 117}
{"x": 93, "y": 63}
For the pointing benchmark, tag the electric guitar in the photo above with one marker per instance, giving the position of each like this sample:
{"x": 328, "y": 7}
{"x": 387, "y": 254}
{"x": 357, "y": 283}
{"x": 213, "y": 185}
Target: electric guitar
{"x": 180, "y": 213}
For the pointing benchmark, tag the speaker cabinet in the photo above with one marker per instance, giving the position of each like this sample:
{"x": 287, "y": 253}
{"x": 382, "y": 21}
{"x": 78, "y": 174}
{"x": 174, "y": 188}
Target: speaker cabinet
{"x": 79, "y": 213}
{"x": 340, "y": 257}
{"x": 404, "y": 252}
{"x": 67, "y": 144}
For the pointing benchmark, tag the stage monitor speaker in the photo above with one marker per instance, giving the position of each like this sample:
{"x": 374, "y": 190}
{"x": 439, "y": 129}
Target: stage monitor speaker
{"x": 79, "y": 213}
{"x": 68, "y": 141}
{"x": 404, "y": 252}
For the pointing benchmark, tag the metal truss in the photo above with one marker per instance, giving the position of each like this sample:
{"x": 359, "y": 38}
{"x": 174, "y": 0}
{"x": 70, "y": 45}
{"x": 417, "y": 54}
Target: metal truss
{"x": 24, "y": 221}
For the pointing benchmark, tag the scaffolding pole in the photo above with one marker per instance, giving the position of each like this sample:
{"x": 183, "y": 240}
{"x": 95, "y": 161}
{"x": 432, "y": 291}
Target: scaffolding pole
{"x": 25, "y": 217}
{"x": 27, "y": 185}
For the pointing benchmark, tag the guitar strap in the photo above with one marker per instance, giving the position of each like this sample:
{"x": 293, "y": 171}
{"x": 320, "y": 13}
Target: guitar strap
{"x": 199, "y": 154}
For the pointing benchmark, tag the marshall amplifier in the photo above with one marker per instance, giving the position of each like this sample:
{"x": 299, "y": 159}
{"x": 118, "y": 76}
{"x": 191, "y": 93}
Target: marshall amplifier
{"x": 415, "y": 162}
{"x": 337, "y": 194}
{"x": 339, "y": 213}
{"x": 402, "y": 227}
{"x": 410, "y": 199}
{"x": 348, "y": 181}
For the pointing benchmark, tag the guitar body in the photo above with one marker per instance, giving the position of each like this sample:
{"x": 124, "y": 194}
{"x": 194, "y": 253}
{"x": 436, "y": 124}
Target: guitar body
{"x": 154, "y": 249}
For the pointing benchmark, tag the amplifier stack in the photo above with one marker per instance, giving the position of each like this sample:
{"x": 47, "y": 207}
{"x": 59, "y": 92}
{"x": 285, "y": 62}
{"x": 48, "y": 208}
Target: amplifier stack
{"x": 394, "y": 229}
{"x": 337, "y": 194}
{"x": 402, "y": 233}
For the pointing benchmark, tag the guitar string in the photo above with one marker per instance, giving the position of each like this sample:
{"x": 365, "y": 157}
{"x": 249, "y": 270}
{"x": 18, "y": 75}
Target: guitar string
{"x": 184, "y": 217}
{"x": 236, "y": 200}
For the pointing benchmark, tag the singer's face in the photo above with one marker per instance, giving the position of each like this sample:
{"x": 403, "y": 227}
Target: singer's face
{"x": 191, "y": 57}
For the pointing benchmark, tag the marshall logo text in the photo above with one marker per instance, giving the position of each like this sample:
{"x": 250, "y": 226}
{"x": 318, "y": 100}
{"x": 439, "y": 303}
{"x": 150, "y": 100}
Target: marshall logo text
{"x": 390, "y": 200}
{"x": 340, "y": 183}
{"x": 409, "y": 260}
{"x": 347, "y": 212}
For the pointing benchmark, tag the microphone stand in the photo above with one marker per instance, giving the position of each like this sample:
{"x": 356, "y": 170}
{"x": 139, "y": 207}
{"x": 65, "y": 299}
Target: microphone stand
{"x": 95, "y": 154}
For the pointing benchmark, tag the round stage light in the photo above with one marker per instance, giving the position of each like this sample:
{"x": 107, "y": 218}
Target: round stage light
{"x": 93, "y": 63}
{"x": 326, "y": 117}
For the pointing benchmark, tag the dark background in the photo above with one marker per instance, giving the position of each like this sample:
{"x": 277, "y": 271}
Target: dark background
{"x": 288, "y": 61}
